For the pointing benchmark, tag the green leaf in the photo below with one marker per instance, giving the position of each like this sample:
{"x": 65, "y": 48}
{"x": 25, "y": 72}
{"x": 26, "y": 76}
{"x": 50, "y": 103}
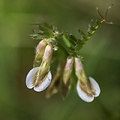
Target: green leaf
{"x": 82, "y": 33}
{"x": 42, "y": 28}
{"x": 67, "y": 41}
{"x": 73, "y": 38}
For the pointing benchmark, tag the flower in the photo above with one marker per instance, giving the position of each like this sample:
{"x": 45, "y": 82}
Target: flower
{"x": 54, "y": 86}
{"x": 39, "y": 53}
{"x": 87, "y": 88}
{"x": 67, "y": 70}
{"x": 37, "y": 81}
{"x": 57, "y": 84}
{"x": 40, "y": 77}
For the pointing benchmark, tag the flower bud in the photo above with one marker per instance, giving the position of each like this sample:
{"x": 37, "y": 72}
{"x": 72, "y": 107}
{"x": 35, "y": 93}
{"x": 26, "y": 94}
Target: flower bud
{"x": 39, "y": 53}
{"x": 45, "y": 65}
{"x": 87, "y": 88}
{"x": 55, "y": 84}
{"x": 78, "y": 67}
{"x": 41, "y": 46}
{"x": 65, "y": 88}
{"x": 68, "y": 70}
{"x": 48, "y": 53}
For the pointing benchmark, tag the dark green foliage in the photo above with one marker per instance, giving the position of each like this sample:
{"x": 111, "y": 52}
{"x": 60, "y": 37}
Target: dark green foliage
{"x": 68, "y": 41}
{"x": 45, "y": 31}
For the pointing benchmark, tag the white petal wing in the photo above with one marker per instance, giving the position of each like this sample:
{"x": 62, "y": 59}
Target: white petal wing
{"x": 83, "y": 95}
{"x": 44, "y": 84}
{"x": 30, "y": 77}
{"x": 95, "y": 86}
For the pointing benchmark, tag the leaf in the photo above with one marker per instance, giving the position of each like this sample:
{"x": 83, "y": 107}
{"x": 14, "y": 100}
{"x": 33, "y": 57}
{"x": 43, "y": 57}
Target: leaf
{"x": 73, "y": 38}
{"x": 82, "y": 33}
{"x": 66, "y": 41}
{"x": 42, "y": 28}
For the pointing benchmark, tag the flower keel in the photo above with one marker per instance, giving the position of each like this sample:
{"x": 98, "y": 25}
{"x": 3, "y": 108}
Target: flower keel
{"x": 44, "y": 83}
{"x": 37, "y": 81}
{"x": 92, "y": 91}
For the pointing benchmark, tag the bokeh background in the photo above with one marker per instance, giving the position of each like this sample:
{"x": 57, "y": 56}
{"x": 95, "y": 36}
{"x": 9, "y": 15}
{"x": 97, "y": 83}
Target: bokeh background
{"x": 101, "y": 54}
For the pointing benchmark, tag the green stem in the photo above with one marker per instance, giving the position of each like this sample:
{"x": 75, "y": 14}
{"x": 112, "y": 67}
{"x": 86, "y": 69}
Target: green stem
{"x": 89, "y": 35}
{"x": 63, "y": 48}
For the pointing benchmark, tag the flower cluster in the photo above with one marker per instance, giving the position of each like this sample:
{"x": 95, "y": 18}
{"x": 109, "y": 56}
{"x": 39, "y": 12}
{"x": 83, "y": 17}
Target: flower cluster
{"x": 40, "y": 76}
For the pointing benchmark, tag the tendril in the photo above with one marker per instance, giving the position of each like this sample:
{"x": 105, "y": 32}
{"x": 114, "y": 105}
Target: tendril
{"x": 104, "y": 18}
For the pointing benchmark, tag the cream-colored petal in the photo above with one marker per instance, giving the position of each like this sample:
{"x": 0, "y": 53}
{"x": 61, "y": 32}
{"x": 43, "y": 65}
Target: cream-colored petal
{"x": 44, "y": 84}
{"x": 31, "y": 77}
{"x": 83, "y": 95}
{"x": 95, "y": 86}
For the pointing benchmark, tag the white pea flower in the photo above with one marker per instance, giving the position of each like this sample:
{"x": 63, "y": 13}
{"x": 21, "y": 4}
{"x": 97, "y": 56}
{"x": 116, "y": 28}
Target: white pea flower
{"x": 87, "y": 88}
{"x": 39, "y": 78}
{"x": 92, "y": 90}
{"x": 37, "y": 81}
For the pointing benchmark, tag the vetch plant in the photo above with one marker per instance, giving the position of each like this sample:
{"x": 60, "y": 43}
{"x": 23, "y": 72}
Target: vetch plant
{"x": 69, "y": 62}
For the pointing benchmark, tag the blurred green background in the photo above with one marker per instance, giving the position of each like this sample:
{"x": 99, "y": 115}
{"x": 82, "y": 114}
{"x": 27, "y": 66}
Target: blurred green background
{"x": 101, "y": 53}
